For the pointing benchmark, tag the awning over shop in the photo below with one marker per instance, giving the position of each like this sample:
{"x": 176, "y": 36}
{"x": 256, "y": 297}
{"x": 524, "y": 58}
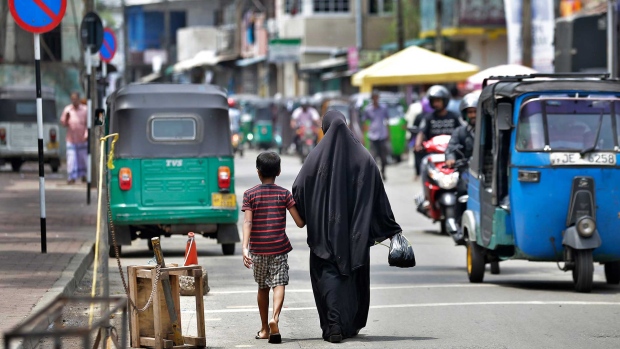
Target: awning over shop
{"x": 202, "y": 58}
{"x": 411, "y": 66}
{"x": 249, "y": 61}
{"x": 413, "y": 42}
{"x": 324, "y": 64}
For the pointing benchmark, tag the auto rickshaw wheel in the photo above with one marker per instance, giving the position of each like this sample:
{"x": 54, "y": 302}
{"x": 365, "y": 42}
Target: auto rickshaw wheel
{"x": 495, "y": 270}
{"x": 612, "y": 273}
{"x": 584, "y": 270}
{"x": 55, "y": 165}
{"x": 228, "y": 249}
{"x": 475, "y": 262}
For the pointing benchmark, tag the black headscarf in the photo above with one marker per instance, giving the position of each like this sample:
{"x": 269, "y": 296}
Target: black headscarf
{"x": 340, "y": 195}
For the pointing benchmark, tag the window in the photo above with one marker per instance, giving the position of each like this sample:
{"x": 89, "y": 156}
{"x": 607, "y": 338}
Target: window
{"x": 26, "y": 108}
{"x": 378, "y": 7}
{"x": 331, "y": 6}
{"x": 173, "y": 129}
{"x": 51, "y": 45}
{"x": 292, "y": 6}
{"x": 568, "y": 125}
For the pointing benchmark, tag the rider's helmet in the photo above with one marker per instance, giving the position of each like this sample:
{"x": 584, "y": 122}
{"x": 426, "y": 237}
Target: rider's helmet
{"x": 439, "y": 92}
{"x": 231, "y": 102}
{"x": 469, "y": 101}
{"x": 304, "y": 102}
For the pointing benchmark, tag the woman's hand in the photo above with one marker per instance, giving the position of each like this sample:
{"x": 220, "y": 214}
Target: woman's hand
{"x": 247, "y": 260}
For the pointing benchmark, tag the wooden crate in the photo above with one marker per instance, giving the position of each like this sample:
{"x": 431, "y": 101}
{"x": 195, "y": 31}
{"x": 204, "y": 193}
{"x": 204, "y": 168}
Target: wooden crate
{"x": 153, "y": 328}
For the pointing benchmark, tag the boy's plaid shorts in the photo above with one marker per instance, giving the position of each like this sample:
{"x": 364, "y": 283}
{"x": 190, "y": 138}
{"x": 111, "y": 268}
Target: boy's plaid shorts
{"x": 270, "y": 270}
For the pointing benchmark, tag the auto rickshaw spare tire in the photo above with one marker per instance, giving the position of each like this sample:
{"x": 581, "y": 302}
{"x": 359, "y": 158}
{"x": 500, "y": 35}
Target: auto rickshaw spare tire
{"x": 475, "y": 262}
{"x": 612, "y": 272}
{"x": 584, "y": 270}
{"x": 228, "y": 249}
{"x": 495, "y": 270}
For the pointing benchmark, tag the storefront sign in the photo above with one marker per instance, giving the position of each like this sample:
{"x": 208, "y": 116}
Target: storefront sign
{"x": 284, "y": 50}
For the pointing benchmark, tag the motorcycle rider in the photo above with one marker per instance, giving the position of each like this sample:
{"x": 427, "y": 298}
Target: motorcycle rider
{"x": 303, "y": 115}
{"x": 461, "y": 147}
{"x": 439, "y": 122}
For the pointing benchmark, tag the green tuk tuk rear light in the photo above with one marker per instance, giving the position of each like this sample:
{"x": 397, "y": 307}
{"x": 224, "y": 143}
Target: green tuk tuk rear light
{"x": 223, "y": 178}
{"x": 124, "y": 178}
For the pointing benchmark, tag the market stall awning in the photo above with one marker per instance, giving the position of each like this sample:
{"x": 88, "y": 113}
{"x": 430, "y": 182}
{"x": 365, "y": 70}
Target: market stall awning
{"x": 202, "y": 58}
{"x": 411, "y": 66}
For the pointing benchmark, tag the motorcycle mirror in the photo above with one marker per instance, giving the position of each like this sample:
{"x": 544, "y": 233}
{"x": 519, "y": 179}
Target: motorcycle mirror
{"x": 463, "y": 199}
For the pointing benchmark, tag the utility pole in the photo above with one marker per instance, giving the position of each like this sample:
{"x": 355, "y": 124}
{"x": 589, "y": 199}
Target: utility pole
{"x": 400, "y": 31}
{"x": 167, "y": 41}
{"x": 438, "y": 26}
{"x": 612, "y": 39}
{"x": 125, "y": 29}
{"x": 526, "y": 33}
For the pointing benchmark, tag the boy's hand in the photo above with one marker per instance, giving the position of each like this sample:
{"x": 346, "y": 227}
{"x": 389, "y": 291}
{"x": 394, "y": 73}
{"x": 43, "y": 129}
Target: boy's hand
{"x": 247, "y": 260}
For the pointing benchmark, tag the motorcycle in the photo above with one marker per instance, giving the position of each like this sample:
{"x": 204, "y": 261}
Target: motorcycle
{"x": 307, "y": 135}
{"x": 439, "y": 200}
{"x": 237, "y": 143}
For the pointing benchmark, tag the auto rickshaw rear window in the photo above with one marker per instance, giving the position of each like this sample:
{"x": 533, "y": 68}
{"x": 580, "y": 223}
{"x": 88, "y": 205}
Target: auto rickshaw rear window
{"x": 173, "y": 129}
{"x": 568, "y": 125}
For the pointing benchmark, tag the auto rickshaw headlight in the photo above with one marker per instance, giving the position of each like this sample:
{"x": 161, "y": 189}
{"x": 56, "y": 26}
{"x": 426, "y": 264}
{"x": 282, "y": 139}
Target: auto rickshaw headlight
{"x": 586, "y": 226}
{"x": 444, "y": 180}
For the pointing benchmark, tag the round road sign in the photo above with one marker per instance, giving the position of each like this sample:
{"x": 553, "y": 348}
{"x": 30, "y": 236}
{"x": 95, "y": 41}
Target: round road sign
{"x": 37, "y": 16}
{"x": 108, "y": 48}
{"x": 91, "y": 32}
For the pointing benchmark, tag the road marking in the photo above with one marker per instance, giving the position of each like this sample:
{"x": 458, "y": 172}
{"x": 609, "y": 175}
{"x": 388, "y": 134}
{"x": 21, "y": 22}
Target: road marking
{"x": 428, "y": 305}
{"x": 372, "y": 288}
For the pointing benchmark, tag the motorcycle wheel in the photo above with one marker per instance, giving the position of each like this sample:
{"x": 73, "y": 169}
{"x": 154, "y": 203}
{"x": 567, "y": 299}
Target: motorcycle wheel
{"x": 584, "y": 271}
{"x": 475, "y": 262}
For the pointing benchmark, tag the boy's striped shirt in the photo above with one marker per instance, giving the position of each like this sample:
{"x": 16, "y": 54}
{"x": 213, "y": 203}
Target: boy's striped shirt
{"x": 268, "y": 203}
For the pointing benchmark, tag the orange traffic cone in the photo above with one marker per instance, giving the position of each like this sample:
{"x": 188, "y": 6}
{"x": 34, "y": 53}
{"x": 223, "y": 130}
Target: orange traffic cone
{"x": 191, "y": 256}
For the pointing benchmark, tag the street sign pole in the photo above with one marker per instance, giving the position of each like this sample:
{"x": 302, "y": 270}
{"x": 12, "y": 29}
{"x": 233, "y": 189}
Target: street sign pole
{"x": 39, "y": 17}
{"x": 37, "y": 69}
{"x": 89, "y": 105}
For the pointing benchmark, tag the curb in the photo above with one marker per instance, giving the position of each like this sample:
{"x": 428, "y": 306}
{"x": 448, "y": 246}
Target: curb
{"x": 65, "y": 285}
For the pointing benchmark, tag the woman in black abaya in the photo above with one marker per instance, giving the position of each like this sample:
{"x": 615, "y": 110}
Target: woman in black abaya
{"x": 340, "y": 195}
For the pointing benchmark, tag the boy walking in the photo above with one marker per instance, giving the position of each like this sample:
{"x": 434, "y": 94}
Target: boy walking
{"x": 265, "y": 244}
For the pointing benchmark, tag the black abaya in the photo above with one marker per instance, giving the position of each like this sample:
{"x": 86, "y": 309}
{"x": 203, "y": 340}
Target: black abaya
{"x": 340, "y": 195}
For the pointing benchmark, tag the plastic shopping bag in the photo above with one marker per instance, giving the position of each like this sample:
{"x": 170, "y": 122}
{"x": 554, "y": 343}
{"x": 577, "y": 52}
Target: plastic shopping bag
{"x": 401, "y": 252}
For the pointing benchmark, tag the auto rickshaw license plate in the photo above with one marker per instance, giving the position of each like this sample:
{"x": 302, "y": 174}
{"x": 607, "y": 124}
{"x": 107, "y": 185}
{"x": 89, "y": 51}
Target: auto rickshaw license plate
{"x": 223, "y": 200}
{"x": 52, "y": 145}
{"x": 590, "y": 159}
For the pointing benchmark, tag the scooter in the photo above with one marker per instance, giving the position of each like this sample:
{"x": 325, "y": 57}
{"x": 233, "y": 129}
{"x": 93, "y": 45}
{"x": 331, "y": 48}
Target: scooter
{"x": 439, "y": 201}
{"x": 237, "y": 143}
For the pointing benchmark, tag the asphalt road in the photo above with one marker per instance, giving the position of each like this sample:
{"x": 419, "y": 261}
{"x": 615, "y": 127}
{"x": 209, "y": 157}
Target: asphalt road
{"x": 529, "y": 305}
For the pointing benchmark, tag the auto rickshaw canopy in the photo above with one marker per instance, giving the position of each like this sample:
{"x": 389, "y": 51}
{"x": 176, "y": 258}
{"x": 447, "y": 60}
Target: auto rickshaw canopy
{"x": 413, "y": 65}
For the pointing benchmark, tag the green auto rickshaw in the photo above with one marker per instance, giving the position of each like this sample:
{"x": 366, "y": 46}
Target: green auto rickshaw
{"x": 246, "y": 103}
{"x": 264, "y": 125}
{"x": 397, "y": 124}
{"x": 174, "y": 168}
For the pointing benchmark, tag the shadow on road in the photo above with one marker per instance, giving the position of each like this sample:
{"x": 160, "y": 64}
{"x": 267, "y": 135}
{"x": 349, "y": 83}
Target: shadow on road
{"x": 556, "y": 286}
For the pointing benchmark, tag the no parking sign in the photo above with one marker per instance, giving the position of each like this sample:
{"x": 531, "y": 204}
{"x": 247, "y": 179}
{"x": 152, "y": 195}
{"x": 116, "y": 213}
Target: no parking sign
{"x": 108, "y": 48}
{"x": 37, "y": 16}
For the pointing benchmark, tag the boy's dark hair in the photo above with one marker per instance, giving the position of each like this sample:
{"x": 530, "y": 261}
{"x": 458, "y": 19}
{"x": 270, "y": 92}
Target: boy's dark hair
{"x": 268, "y": 164}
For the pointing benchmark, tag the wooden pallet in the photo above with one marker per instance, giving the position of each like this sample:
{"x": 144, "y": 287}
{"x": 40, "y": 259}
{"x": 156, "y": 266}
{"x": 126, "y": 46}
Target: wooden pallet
{"x": 153, "y": 328}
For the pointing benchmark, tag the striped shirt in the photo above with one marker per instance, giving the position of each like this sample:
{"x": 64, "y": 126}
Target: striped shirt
{"x": 268, "y": 203}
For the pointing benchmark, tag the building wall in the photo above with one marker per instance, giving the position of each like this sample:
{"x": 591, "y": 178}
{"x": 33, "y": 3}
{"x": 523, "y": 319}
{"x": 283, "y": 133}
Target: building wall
{"x": 485, "y": 52}
{"x": 376, "y": 31}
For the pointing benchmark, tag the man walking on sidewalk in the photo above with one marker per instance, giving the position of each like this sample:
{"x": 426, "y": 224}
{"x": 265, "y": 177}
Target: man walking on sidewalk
{"x": 74, "y": 119}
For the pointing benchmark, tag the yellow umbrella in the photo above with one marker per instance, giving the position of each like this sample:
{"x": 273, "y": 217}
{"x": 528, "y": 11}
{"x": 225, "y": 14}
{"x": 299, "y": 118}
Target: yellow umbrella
{"x": 413, "y": 65}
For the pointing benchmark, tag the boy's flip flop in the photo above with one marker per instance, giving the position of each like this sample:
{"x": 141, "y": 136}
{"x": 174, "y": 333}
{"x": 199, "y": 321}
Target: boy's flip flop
{"x": 275, "y": 338}
{"x": 259, "y": 337}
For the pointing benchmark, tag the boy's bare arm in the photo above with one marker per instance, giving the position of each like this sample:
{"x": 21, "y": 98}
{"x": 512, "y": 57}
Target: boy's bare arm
{"x": 296, "y": 217}
{"x": 247, "y": 229}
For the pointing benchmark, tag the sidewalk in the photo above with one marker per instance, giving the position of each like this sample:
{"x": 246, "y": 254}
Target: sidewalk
{"x": 30, "y": 279}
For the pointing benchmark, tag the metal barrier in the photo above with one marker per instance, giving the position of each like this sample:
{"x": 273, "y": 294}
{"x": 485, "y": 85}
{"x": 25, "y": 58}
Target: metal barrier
{"x": 57, "y": 322}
